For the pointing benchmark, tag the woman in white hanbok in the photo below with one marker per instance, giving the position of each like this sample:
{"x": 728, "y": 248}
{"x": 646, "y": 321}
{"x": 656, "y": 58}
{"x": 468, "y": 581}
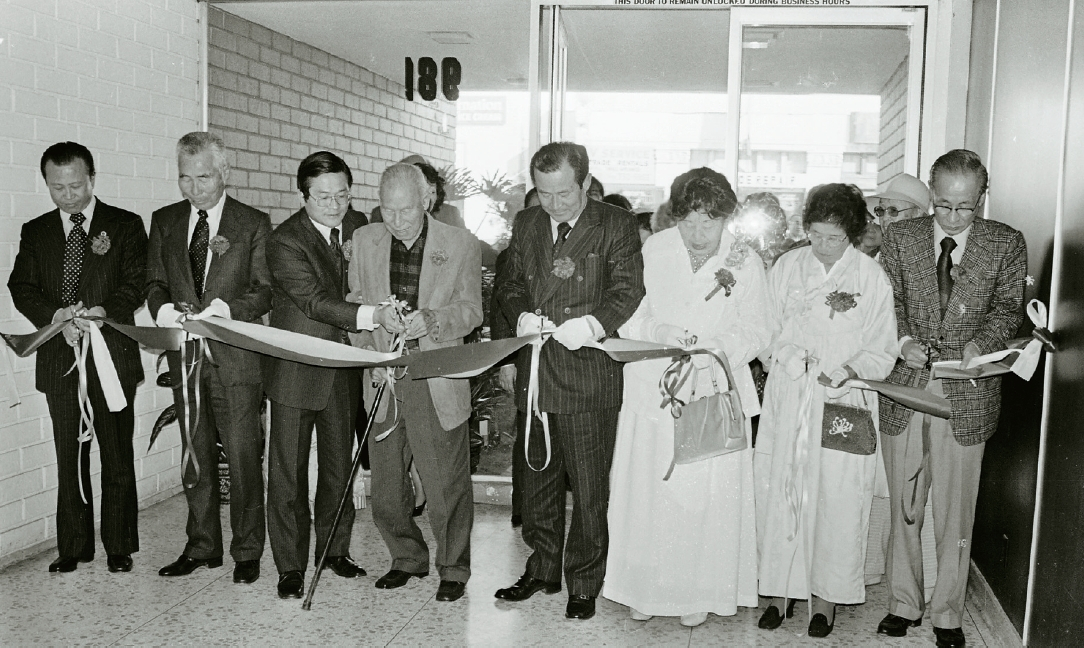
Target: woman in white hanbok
{"x": 687, "y": 546}
{"x": 832, "y": 313}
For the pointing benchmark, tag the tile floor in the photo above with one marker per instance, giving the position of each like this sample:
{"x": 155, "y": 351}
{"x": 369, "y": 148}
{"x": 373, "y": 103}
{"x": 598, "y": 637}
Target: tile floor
{"x": 92, "y": 606}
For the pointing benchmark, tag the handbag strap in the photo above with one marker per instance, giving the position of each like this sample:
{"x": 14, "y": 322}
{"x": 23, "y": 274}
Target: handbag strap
{"x": 675, "y": 376}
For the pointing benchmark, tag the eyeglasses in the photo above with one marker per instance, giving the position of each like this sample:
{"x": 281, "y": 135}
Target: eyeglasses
{"x": 891, "y": 212}
{"x": 944, "y": 210}
{"x": 329, "y": 199}
{"x": 836, "y": 239}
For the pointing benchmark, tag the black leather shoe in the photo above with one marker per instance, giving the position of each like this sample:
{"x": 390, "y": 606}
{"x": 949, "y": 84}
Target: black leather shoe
{"x": 949, "y": 637}
{"x": 344, "y": 567}
{"x": 819, "y": 627}
{"x": 66, "y": 564}
{"x": 526, "y": 587}
{"x": 896, "y": 626}
{"x": 291, "y": 584}
{"x": 450, "y": 590}
{"x": 185, "y": 566}
{"x": 517, "y": 521}
{"x": 246, "y": 571}
{"x": 119, "y": 562}
{"x": 396, "y": 578}
{"x": 580, "y": 607}
{"x": 772, "y": 619}
{"x": 418, "y": 510}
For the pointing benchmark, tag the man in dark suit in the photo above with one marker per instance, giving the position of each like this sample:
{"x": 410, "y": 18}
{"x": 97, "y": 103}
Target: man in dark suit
{"x": 206, "y": 257}
{"x": 959, "y": 287}
{"x": 575, "y": 264}
{"x": 85, "y": 257}
{"x": 307, "y": 256}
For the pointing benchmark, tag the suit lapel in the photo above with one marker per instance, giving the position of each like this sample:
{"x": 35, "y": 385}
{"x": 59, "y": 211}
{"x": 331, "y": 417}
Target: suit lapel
{"x": 579, "y": 240}
{"x": 101, "y": 223}
{"x": 926, "y": 271}
{"x": 177, "y": 247}
{"x": 434, "y": 240}
{"x": 323, "y": 252}
{"x": 378, "y": 258}
{"x": 227, "y": 229}
{"x": 53, "y": 252}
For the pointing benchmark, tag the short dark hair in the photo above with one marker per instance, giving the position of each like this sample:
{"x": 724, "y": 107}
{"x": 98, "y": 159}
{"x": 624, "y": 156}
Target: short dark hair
{"x": 318, "y": 164}
{"x": 432, "y": 176}
{"x": 531, "y": 193}
{"x": 617, "y": 200}
{"x": 550, "y": 157}
{"x": 702, "y": 190}
{"x": 597, "y": 184}
{"x": 64, "y": 153}
{"x": 842, "y": 205}
{"x": 960, "y": 162}
{"x": 643, "y": 219}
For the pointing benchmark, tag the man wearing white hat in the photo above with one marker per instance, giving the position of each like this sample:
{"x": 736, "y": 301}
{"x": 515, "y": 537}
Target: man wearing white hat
{"x": 905, "y": 197}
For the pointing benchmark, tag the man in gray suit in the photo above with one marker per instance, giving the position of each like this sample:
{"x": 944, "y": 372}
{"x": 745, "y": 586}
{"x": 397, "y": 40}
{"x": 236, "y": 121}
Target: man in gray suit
{"x": 206, "y": 257}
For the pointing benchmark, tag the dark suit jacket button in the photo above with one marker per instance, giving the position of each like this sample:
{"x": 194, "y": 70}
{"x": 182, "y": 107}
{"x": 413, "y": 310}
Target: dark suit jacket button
{"x": 567, "y": 310}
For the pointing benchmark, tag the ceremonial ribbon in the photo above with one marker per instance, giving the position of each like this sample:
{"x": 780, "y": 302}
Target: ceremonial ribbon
{"x": 397, "y": 345}
{"x": 9, "y": 380}
{"x": 1041, "y": 338}
{"x": 188, "y": 419}
{"x": 794, "y": 482}
{"x": 532, "y": 403}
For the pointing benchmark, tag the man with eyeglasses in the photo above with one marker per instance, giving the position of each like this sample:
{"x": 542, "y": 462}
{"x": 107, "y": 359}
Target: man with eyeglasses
{"x": 206, "y": 257}
{"x": 958, "y": 282}
{"x": 307, "y": 255}
{"x": 905, "y": 197}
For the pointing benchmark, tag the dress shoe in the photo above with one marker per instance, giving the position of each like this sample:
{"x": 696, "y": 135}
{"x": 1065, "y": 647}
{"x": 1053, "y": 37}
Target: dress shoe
{"x": 185, "y": 565}
{"x": 418, "y": 510}
{"x": 344, "y": 567}
{"x": 450, "y": 590}
{"x": 949, "y": 637}
{"x": 772, "y": 618}
{"x": 119, "y": 562}
{"x": 580, "y": 606}
{"x": 526, "y": 587}
{"x": 66, "y": 564}
{"x": 637, "y": 615}
{"x": 291, "y": 584}
{"x": 819, "y": 626}
{"x": 693, "y": 620}
{"x": 517, "y": 521}
{"x": 896, "y": 626}
{"x": 246, "y": 571}
{"x": 396, "y": 578}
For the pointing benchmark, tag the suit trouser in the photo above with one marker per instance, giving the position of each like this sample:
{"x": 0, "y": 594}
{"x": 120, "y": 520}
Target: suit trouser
{"x": 113, "y": 431}
{"x": 583, "y": 448}
{"x": 235, "y": 411}
{"x": 288, "y": 517}
{"x": 442, "y": 458}
{"x": 951, "y": 480}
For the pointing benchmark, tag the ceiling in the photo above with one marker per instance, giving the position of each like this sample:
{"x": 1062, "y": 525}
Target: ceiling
{"x": 609, "y": 50}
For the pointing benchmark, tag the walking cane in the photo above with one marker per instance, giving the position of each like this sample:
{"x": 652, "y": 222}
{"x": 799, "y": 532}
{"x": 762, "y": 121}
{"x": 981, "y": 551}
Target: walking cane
{"x": 307, "y": 605}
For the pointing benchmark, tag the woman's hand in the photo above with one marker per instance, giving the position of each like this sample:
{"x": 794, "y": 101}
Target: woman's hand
{"x": 837, "y": 388}
{"x": 793, "y": 360}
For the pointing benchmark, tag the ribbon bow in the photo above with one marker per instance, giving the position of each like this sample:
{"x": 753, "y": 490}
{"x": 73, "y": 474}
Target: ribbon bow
{"x": 1041, "y": 339}
{"x": 398, "y": 342}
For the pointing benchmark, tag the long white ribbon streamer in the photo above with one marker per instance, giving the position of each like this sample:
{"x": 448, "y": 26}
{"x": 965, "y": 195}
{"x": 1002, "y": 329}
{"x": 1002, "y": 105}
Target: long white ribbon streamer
{"x": 1029, "y": 358}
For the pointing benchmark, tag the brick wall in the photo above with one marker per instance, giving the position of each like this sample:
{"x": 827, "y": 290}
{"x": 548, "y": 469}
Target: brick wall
{"x": 121, "y": 78}
{"x": 893, "y": 126}
{"x": 275, "y": 100}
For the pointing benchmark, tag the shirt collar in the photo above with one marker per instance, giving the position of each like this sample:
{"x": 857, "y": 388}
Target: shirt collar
{"x": 938, "y": 234}
{"x": 88, "y": 212}
{"x": 571, "y": 222}
{"x": 324, "y": 230}
{"x": 421, "y": 234}
{"x": 214, "y": 213}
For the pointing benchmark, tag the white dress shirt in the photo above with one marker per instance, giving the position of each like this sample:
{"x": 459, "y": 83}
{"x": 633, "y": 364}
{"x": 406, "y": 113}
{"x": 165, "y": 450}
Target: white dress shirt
{"x": 66, "y": 220}
{"x": 365, "y": 313}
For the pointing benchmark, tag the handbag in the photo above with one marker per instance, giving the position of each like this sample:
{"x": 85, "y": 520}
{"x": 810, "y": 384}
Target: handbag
{"x": 707, "y": 427}
{"x": 848, "y": 428}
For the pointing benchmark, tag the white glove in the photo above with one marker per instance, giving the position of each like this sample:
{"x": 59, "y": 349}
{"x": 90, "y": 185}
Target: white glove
{"x": 575, "y": 333}
{"x": 837, "y": 377}
{"x": 167, "y": 317}
{"x": 670, "y": 335}
{"x": 217, "y": 307}
{"x": 792, "y": 359}
{"x": 530, "y": 324}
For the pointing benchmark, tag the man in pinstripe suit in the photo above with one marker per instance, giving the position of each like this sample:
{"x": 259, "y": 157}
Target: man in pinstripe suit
{"x": 85, "y": 257}
{"x": 959, "y": 287}
{"x": 573, "y": 263}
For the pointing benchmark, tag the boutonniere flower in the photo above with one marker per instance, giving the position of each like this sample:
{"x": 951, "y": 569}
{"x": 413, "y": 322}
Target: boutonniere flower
{"x": 564, "y": 268}
{"x": 439, "y": 257}
{"x": 348, "y": 249}
{"x": 841, "y": 302}
{"x": 100, "y": 244}
{"x": 219, "y": 244}
{"x": 724, "y": 280}
{"x": 738, "y": 252}
{"x": 959, "y": 273}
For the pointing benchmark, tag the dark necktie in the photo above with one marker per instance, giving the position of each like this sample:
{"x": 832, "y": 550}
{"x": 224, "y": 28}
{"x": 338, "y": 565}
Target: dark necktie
{"x": 75, "y": 248}
{"x": 197, "y": 252}
{"x": 944, "y": 272}
{"x": 337, "y": 251}
{"x": 562, "y": 233}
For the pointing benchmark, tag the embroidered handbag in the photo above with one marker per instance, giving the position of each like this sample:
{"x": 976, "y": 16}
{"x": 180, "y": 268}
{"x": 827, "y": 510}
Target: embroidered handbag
{"x": 848, "y": 428}
{"x": 707, "y": 427}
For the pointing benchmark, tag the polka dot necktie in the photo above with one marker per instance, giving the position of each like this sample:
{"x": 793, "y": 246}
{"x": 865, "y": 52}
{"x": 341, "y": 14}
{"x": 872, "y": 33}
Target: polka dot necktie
{"x": 197, "y": 252}
{"x": 75, "y": 248}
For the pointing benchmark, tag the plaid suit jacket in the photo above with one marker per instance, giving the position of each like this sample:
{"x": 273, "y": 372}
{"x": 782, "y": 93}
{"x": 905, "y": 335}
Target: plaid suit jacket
{"x": 607, "y": 282}
{"x": 986, "y": 307}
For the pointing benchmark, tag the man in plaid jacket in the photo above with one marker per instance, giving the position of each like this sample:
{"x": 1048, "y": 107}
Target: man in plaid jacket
{"x": 959, "y": 287}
